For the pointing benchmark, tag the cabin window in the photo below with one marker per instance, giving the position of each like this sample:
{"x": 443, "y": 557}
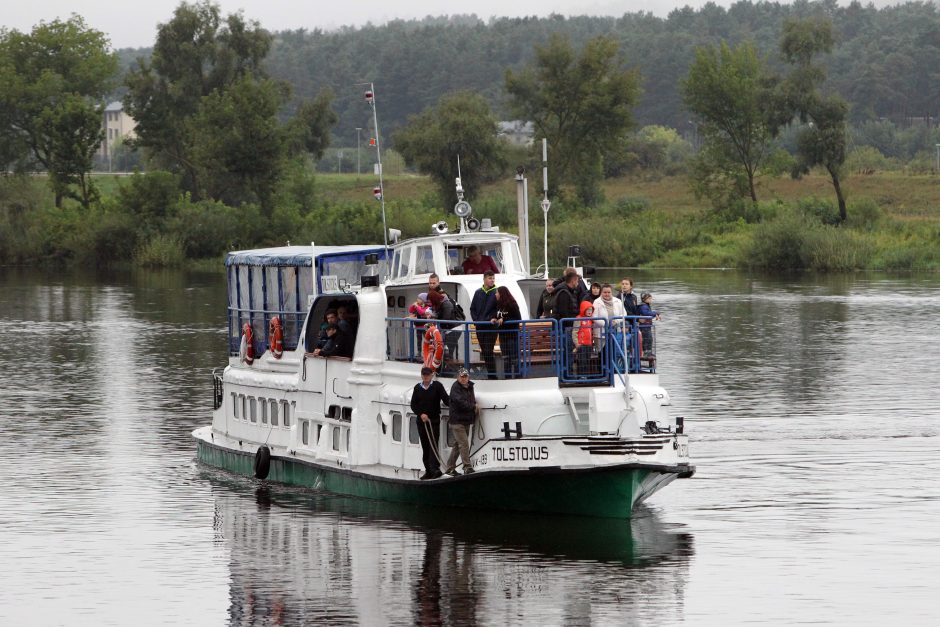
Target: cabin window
{"x": 234, "y": 405}
{"x": 305, "y": 432}
{"x": 396, "y": 426}
{"x": 335, "y": 438}
{"x": 413, "y": 429}
{"x": 272, "y": 410}
{"x": 253, "y": 408}
{"x": 319, "y": 430}
{"x": 346, "y": 448}
{"x": 264, "y": 410}
{"x": 285, "y": 409}
{"x": 453, "y": 258}
{"x": 424, "y": 260}
{"x": 333, "y": 412}
{"x": 346, "y": 414}
{"x": 405, "y": 262}
{"x": 244, "y": 404}
{"x": 396, "y": 261}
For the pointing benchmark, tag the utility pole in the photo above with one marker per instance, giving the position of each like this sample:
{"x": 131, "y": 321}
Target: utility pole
{"x": 358, "y": 133}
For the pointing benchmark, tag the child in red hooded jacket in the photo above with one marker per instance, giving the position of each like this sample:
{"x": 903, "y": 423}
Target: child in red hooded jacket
{"x": 582, "y": 333}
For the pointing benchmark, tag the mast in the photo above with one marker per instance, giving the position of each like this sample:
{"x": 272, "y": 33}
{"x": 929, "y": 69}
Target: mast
{"x": 380, "y": 191}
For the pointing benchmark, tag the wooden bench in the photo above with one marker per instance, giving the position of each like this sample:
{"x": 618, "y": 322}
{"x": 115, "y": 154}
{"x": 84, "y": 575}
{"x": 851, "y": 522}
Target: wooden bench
{"x": 535, "y": 338}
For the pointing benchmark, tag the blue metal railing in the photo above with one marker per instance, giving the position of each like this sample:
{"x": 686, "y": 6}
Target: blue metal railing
{"x": 529, "y": 348}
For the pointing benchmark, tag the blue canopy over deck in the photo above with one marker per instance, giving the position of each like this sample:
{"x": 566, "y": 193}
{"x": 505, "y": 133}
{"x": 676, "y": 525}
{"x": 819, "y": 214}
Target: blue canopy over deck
{"x": 268, "y": 282}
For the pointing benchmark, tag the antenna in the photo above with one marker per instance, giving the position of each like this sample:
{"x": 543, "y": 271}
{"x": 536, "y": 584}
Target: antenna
{"x": 379, "y": 192}
{"x": 546, "y": 203}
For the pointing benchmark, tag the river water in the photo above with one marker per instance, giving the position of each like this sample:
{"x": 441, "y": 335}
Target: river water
{"x": 812, "y": 405}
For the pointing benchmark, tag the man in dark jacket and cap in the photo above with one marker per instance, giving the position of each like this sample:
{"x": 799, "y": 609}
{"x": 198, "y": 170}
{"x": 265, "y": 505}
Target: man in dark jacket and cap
{"x": 463, "y": 412}
{"x": 426, "y": 399}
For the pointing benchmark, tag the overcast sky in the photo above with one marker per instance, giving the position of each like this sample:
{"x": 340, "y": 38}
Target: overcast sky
{"x": 133, "y": 24}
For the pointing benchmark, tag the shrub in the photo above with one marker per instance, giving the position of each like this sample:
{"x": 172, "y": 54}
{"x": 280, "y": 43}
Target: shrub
{"x": 864, "y": 214}
{"x": 209, "y": 229}
{"x": 161, "y": 251}
{"x": 835, "y": 249}
{"x": 823, "y": 211}
{"x": 149, "y": 198}
{"x": 779, "y": 244}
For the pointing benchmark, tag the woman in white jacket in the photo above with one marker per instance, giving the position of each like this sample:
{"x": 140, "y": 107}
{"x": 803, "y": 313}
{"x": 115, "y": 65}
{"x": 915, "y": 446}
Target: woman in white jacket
{"x": 606, "y": 306}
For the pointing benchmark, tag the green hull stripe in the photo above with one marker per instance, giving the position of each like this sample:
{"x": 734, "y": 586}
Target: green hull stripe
{"x": 608, "y": 492}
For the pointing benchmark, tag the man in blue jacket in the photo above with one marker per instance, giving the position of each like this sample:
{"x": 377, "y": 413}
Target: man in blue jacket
{"x": 483, "y": 312}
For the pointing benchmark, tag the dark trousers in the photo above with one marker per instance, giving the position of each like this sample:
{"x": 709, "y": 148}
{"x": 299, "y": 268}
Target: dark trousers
{"x": 487, "y": 340}
{"x": 509, "y": 347}
{"x": 427, "y": 447}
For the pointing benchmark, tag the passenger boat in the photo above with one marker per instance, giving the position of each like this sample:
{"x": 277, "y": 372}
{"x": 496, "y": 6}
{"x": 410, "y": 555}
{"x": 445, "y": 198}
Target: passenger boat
{"x": 552, "y": 436}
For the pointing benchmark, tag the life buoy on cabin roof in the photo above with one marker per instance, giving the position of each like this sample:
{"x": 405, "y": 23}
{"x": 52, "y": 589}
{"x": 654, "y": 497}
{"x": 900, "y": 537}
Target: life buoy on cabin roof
{"x": 246, "y": 351}
{"x": 432, "y": 347}
{"x": 276, "y": 337}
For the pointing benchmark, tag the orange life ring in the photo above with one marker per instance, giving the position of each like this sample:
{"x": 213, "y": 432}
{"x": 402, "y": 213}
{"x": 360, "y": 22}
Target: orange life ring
{"x": 247, "y": 350}
{"x": 276, "y": 337}
{"x": 432, "y": 348}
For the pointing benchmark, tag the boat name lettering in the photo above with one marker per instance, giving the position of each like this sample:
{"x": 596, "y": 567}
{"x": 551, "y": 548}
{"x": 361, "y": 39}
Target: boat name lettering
{"x": 520, "y": 453}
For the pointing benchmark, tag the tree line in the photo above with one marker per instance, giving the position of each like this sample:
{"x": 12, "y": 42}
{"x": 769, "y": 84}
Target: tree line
{"x": 230, "y": 113}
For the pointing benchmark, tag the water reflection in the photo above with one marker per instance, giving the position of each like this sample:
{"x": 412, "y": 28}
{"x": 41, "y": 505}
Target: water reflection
{"x": 303, "y": 556}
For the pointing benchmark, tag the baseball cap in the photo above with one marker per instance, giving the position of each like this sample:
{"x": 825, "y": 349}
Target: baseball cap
{"x": 463, "y": 372}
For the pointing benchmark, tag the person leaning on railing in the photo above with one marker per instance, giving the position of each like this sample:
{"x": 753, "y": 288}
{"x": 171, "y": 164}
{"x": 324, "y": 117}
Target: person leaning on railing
{"x": 567, "y": 306}
{"x": 507, "y": 321}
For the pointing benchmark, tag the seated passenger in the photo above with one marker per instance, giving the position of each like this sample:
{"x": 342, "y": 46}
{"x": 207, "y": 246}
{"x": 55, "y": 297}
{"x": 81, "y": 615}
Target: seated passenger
{"x": 475, "y": 263}
{"x": 329, "y": 318}
{"x": 337, "y": 344}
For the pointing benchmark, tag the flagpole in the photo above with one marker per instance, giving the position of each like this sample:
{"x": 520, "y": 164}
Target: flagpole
{"x": 370, "y": 98}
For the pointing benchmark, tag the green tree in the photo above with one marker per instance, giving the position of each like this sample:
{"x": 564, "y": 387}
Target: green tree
{"x": 205, "y": 108}
{"x": 580, "y": 103}
{"x": 52, "y": 81}
{"x": 463, "y": 125}
{"x": 730, "y": 90}
{"x": 822, "y": 141}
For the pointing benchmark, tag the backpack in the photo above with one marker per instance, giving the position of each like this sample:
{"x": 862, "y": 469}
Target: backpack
{"x": 458, "y": 312}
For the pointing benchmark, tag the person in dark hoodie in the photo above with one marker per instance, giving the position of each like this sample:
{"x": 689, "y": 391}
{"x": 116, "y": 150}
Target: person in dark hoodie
{"x": 337, "y": 343}
{"x": 463, "y": 412}
{"x": 483, "y": 309}
{"x": 426, "y": 399}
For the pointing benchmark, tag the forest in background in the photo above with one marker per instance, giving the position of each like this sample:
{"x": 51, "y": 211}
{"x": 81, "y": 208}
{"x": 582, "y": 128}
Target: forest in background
{"x": 886, "y": 62}
{"x": 644, "y": 215}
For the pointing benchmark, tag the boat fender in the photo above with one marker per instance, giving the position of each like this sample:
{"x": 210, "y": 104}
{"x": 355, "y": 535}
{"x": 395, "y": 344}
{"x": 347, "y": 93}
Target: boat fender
{"x": 262, "y": 462}
{"x": 246, "y": 352}
{"x": 276, "y": 337}
{"x": 432, "y": 348}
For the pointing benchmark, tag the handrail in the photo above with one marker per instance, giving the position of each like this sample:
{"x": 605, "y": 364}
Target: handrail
{"x": 537, "y": 347}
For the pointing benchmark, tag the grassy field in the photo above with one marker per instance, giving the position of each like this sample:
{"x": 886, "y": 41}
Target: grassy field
{"x": 646, "y": 221}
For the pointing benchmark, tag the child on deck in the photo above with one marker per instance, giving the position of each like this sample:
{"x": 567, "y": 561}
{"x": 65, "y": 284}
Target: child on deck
{"x": 419, "y": 310}
{"x": 649, "y": 314}
{"x": 583, "y": 335}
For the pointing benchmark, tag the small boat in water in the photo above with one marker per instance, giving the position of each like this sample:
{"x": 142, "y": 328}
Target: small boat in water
{"x": 583, "y": 432}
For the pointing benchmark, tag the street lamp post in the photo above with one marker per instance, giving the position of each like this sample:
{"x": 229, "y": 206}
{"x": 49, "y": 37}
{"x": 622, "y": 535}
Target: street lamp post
{"x": 358, "y": 132}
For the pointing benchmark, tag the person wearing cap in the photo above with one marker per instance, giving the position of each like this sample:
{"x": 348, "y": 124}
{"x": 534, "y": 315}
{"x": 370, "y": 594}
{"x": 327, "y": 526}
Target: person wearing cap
{"x": 649, "y": 314}
{"x": 426, "y": 399}
{"x": 463, "y": 411}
